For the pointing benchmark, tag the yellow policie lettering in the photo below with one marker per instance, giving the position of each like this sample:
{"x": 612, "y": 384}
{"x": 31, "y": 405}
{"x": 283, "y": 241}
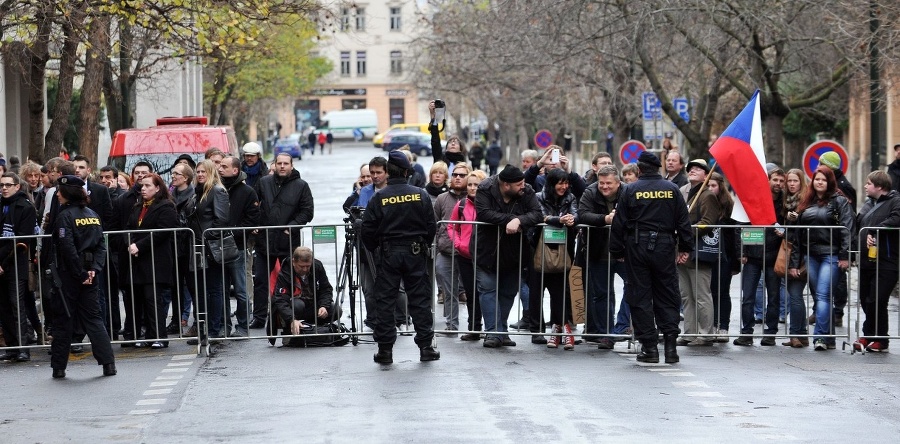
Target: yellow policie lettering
{"x": 401, "y": 199}
{"x": 87, "y": 221}
{"x": 654, "y": 195}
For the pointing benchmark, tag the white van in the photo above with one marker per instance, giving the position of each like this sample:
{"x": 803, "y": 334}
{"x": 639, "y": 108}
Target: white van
{"x": 342, "y": 123}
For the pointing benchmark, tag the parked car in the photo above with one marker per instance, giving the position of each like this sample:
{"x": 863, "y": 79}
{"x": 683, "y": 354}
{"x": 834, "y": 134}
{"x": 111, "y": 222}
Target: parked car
{"x": 419, "y": 143}
{"x": 378, "y": 140}
{"x": 292, "y": 144}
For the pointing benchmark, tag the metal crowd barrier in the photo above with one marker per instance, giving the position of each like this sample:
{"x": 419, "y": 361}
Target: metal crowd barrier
{"x": 881, "y": 279}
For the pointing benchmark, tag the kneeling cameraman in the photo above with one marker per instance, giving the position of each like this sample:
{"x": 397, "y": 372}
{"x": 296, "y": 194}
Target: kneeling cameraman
{"x": 302, "y": 292}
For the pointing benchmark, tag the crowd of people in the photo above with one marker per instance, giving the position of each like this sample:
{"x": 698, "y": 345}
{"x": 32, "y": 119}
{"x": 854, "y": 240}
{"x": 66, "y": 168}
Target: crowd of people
{"x": 518, "y": 232}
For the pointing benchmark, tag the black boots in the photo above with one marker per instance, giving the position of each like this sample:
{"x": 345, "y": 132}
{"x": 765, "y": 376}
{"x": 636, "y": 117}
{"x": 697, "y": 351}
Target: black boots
{"x": 670, "y": 349}
{"x": 384, "y": 355}
{"x": 109, "y": 369}
{"x": 429, "y": 354}
{"x": 59, "y": 373}
{"x": 649, "y": 352}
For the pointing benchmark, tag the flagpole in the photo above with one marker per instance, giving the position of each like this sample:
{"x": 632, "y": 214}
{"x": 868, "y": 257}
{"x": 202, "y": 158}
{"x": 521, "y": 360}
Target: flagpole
{"x": 702, "y": 187}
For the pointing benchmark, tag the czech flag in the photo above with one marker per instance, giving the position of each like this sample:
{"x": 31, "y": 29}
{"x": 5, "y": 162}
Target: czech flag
{"x": 739, "y": 152}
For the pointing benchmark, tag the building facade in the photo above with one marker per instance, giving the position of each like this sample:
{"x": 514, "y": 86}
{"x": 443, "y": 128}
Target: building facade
{"x": 369, "y": 49}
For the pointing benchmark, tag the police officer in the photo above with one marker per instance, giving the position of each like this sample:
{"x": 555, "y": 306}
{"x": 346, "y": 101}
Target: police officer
{"x": 77, "y": 258}
{"x": 650, "y": 215}
{"x": 399, "y": 222}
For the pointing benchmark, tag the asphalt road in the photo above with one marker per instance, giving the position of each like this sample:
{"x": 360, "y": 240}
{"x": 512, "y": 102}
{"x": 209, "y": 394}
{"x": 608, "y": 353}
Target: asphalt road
{"x": 249, "y": 391}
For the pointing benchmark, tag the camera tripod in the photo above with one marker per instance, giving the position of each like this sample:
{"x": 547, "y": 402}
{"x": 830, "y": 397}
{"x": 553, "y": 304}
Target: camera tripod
{"x": 348, "y": 273}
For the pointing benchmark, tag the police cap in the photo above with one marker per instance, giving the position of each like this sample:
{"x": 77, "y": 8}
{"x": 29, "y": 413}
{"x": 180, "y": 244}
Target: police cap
{"x": 398, "y": 159}
{"x": 649, "y": 158}
{"x": 71, "y": 181}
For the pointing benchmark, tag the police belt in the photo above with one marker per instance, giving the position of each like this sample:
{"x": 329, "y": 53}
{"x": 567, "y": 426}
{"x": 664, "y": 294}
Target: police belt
{"x": 647, "y": 234}
{"x": 415, "y": 245}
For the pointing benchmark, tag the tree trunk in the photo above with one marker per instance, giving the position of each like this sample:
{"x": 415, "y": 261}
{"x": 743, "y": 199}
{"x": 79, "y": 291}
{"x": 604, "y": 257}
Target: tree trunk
{"x": 773, "y": 133}
{"x": 39, "y": 54}
{"x": 793, "y": 154}
{"x": 89, "y": 125}
{"x": 60, "y": 122}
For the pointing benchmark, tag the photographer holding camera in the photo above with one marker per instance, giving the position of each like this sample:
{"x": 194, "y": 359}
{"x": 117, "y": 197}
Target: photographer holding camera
{"x": 455, "y": 148}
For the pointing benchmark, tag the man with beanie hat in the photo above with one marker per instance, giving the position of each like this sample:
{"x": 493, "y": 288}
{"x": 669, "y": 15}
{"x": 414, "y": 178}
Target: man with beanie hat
{"x": 832, "y": 160}
{"x": 511, "y": 208}
{"x": 651, "y": 221}
{"x": 398, "y": 227}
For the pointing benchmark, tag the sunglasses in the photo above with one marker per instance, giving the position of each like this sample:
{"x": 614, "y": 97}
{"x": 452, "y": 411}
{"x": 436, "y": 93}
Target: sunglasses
{"x": 460, "y": 174}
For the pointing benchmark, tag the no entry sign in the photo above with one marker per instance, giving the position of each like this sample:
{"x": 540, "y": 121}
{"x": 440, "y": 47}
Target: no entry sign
{"x": 630, "y": 151}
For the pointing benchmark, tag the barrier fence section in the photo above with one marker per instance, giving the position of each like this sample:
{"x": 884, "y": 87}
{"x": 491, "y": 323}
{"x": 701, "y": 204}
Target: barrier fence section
{"x": 176, "y": 272}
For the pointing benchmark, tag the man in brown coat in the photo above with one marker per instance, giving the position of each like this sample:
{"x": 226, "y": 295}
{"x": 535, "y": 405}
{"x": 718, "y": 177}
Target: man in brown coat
{"x": 694, "y": 275}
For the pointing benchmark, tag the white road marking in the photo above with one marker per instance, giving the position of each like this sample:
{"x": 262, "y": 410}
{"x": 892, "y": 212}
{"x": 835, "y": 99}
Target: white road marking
{"x": 153, "y": 401}
{"x": 157, "y": 392}
{"x": 144, "y": 412}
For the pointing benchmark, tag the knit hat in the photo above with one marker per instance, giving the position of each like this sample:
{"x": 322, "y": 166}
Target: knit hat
{"x": 511, "y": 174}
{"x": 830, "y": 159}
{"x": 398, "y": 159}
{"x": 649, "y": 158}
{"x": 771, "y": 167}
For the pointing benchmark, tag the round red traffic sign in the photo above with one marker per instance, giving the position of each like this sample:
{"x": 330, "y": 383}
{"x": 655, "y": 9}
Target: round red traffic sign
{"x": 630, "y": 151}
{"x": 543, "y": 138}
{"x": 815, "y": 150}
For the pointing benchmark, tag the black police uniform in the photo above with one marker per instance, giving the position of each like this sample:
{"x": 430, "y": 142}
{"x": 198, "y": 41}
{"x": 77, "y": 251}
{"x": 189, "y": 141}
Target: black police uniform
{"x": 650, "y": 214}
{"x": 78, "y": 246}
{"x": 400, "y": 220}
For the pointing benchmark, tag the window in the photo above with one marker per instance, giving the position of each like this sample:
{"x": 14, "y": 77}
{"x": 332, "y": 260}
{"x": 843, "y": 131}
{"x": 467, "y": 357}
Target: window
{"x": 345, "y": 19}
{"x": 345, "y": 63}
{"x": 396, "y": 62}
{"x": 361, "y": 63}
{"x": 360, "y": 19}
{"x": 398, "y": 112}
{"x": 353, "y": 104}
{"x": 395, "y": 19}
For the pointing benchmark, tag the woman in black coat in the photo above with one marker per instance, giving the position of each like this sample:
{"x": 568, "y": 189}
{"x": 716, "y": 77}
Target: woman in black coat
{"x": 151, "y": 258}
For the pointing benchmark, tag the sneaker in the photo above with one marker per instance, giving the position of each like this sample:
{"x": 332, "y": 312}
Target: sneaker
{"x": 767, "y": 341}
{"x": 403, "y": 329}
{"x": 721, "y": 335}
{"x": 861, "y": 344}
{"x": 876, "y": 346}
{"x": 553, "y": 342}
{"x": 743, "y": 340}
{"x": 568, "y": 340}
{"x": 492, "y": 342}
{"x": 820, "y": 345}
{"x": 605, "y": 344}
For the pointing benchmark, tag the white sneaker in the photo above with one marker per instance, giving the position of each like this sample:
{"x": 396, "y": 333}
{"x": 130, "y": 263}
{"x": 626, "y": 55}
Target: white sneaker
{"x": 404, "y": 330}
{"x": 722, "y": 335}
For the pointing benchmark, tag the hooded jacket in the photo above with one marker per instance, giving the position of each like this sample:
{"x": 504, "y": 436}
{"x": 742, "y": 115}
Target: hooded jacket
{"x": 887, "y": 214}
{"x": 19, "y": 218}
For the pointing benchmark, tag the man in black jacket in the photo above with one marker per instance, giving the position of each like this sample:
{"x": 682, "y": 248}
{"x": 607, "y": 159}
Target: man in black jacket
{"x": 511, "y": 207}
{"x": 878, "y": 270}
{"x": 598, "y": 208}
{"x": 303, "y": 294}
{"x": 284, "y": 199}
{"x": 243, "y": 212}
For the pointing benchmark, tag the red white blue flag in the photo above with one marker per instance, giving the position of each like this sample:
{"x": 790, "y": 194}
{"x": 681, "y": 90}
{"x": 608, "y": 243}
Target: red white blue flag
{"x": 739, "y": 152}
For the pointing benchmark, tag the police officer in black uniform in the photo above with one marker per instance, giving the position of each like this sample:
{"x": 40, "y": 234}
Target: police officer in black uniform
{"x": 651, "y": 217}
{"x": 399, "y": 223}
{"x": 78, "y": 254}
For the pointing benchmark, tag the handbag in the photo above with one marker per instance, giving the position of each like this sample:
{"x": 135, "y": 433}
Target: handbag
{"x": 224, "y": 250}
{"x": 784, "y": 257}
{"x": 552, "y": 258}
{"x": 708, "y": 249}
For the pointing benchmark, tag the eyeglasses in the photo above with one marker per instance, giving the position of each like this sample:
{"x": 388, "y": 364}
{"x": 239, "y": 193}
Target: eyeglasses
{"x": 7, "y": 185}
{"x": 177, "y": 174}
{"x": 460, "y": 174}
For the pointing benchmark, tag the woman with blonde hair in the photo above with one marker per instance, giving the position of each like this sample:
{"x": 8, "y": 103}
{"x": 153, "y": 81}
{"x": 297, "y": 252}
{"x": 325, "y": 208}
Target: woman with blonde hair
{"x": 437, "y": 179}
{"x": 209, "y": 208}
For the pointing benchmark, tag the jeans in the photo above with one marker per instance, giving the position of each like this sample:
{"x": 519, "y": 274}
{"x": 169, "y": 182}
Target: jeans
{"x": 797, "y": 306}
{"x": 498, "y": 293}
{"x": 601, "y": 297}
{"x": 823, "y": 275}
{"x": 753, "y": 270}
{"x": 236, "y": 276}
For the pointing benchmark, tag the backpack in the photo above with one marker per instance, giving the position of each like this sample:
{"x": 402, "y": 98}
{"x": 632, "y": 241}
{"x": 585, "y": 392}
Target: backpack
{"x": 320, "y": 341}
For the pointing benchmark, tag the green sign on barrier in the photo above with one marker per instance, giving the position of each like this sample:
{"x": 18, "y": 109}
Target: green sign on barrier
{"x": 753, "y": 236}
{"x": 324, "y": 235}
{"x": 554, "y": 235}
